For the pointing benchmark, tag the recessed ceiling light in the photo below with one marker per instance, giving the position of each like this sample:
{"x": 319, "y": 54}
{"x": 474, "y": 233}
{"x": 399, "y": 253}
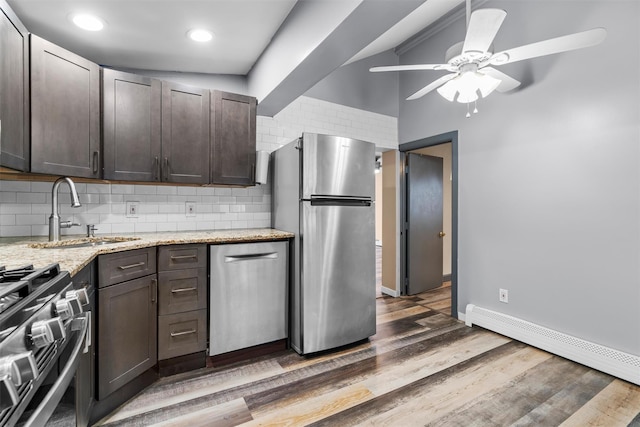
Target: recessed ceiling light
{"x": 200, "y": 35}
{"x": 88, "y": 22}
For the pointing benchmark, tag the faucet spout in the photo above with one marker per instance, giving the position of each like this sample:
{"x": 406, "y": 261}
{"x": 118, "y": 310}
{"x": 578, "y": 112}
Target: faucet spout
{"x": 54, "y": 219}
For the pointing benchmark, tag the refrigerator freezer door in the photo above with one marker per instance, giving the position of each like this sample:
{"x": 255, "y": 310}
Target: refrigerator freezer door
{"x": 337, "y": 166}
{"x": 338, "y": 276}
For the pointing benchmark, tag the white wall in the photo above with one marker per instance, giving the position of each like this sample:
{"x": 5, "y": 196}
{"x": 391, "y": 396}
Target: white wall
{"x": 25, "y": 206}
{"x": 549, "y": 185}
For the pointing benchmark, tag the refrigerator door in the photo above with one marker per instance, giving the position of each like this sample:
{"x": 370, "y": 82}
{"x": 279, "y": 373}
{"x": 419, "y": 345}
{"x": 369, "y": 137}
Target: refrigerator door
{"x": 337, "y": 166}
{"x": 337, "y": 305}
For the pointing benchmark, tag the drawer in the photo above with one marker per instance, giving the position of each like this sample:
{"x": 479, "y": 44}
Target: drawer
{"x": 122, "y": 266}
{"x": 182, "y": 333}
{"x": 176, "y": 257}
{"x": 182, "y": 290}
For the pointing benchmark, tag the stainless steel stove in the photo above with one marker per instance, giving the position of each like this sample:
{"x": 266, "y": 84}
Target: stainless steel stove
{"x": 40, "y": 315}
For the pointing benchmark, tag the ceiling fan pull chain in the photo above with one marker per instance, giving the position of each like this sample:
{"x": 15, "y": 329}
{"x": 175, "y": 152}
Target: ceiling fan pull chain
{"x": 468, "y": 113}
{"x": 475, "y": 107}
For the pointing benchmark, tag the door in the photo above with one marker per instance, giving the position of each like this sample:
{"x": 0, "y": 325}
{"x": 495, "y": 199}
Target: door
{"x": 127, "y": 332}
{"x": 185, "y": 134}
{"x": 424, "y": 223}
{"x": 65, "y": 112}
{"x": 131, "y": 126}
{"x": 338, "y": 283}
{"x": 337, "y": 166}
{"x": 233, "y": 138}
{"x": 14, "y": 92}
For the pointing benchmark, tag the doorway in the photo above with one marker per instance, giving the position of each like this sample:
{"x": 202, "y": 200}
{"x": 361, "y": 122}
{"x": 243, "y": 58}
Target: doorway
{"x": 433, "y": 146}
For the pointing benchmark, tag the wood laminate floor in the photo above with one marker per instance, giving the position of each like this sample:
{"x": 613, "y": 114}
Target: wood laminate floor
{"x": 422, "y": 368}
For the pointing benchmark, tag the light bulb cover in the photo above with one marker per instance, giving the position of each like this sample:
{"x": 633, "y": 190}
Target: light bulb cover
{"x": 468, "y": 87}
{"x": 88, "y": 22}
{"x": 200, "y": 35}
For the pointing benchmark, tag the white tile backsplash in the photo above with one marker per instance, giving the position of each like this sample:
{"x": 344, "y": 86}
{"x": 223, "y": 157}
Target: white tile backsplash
{"x": 25, "y": 206}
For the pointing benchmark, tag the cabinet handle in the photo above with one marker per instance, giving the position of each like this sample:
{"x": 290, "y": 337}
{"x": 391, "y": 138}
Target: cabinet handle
{"x": 179, "y": 290}
{"x": 156, "y": 168}
{"x": 126, "y": 267}
{"x": 96, "y": 162}
{"x": 249, "y": 257}
{"x": 180, "y": 257}
{"x": 154, "y": 289}
{"x": 177, "y": 334}
{"x": 165, "y": 169}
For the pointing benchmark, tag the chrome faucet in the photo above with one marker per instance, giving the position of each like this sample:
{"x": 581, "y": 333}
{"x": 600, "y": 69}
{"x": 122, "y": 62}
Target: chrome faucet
{"x": 54, "y": 220}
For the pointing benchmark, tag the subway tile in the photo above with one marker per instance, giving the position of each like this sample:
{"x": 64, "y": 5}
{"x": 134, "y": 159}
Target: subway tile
{"x": 205, "y": 191}
{"x": 145, "y": 189}
{"x": 31, "y": 198}
{"x": 15, "y": 230}
{"x": 167, "y": 190}
{"x": 237, "y": 208}
{"x": 145, "y": 227}
{"x": 156, "y": 218}
{"x": 222, "y": 191}
{"x": 187, "y": 191}
{"x": 111, "y": 198}
{"x": 96, "y": 188}
{"x": 177, "y": 199}
{"x": 170, "y": 208}
{"x": 222, "y": 225}
{"x": 15, "y": 186}
{"x": 40, "y": 230}
{"x": 185, "y": 226}
{"x": 153, "y": 198}
{"x": 122, "y": 188}
{"x": 15, "y": 208}
{"x": 7, "y": 220}
{"x": 90, "y": 197}
{"x": 147, "y": 208}
{"x": 31, "y": 219}
{"x": 42, "y": 187}
{"x": 239, "y": 224}
{"x": 167, "y": 226}
{"x": 227, "y": 199}
{"x": 122, "y": 228}
{"x": 8, "y": 197}
{"x": 103, "y": 229}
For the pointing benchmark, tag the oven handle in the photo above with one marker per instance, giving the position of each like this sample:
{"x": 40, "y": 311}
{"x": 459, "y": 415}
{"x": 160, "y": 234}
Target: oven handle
{"x": 43, "y": 412}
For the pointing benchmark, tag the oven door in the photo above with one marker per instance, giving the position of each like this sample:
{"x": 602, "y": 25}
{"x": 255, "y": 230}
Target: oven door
{"x": 79, "y": 347}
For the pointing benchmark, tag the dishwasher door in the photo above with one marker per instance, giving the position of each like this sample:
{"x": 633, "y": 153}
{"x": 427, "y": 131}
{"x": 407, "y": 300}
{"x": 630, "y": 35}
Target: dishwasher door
{"x": 248, "y": 295}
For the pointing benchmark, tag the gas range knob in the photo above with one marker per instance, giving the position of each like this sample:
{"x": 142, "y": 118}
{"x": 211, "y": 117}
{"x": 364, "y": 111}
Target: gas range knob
{"x": 68, "y": 306}
{"x": 80, "y": 294}
{"x": 45, "y": 332}
{"x": 21, "y": 368}
{"x": 8, "y": 393}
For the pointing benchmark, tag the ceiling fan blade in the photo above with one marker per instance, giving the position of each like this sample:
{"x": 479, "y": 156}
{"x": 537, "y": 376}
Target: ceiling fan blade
{"x": 548, "y": 47}
{"x": 415, "y": 67}
{"x": 483, "y": 27}
{"x": 431, "y": 86}
{"x": 507, "y": 83}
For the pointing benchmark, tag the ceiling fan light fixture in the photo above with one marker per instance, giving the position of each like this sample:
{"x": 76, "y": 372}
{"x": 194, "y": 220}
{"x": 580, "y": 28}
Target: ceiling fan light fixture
{"x": 88, "y": 22}
{"x": 468, "y": 87}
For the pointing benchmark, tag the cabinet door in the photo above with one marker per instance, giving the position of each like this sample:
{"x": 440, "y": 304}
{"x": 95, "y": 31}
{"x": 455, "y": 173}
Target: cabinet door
{"x": 185, "y": 134}
{"x": 127, "y": 332}
{"x": 233, "y": 133}
{"x": 131, "y": 126}
{"x": 65, "y": 112}
{"x": 14, "y": 91}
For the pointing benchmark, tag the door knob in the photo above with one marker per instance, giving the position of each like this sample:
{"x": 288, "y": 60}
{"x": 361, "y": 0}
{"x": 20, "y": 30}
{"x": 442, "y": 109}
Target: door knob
{"x": 442, "y": 234}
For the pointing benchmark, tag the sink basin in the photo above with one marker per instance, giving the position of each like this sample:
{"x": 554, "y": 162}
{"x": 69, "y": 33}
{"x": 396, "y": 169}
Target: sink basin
{"x": 85, "y": 242}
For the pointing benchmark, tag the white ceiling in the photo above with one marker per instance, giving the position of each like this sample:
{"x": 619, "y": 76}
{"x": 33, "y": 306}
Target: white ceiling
{"x": 280, "y": 48}
{"x": 151, "y": 34}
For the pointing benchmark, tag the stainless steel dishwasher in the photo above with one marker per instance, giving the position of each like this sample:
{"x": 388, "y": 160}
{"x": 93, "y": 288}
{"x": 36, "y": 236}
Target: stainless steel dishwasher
{"x": 248, "y": 295}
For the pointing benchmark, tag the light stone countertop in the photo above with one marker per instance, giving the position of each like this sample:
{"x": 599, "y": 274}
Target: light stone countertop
{"x": 17, "y": 252}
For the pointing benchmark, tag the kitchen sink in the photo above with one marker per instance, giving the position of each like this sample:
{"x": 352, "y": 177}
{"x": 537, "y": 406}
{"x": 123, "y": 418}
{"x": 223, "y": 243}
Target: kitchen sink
{"x": 85, "y": 242}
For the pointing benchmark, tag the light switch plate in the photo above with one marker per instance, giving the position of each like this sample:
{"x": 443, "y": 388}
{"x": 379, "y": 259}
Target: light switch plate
{"x": 190, "y": 209}
{"x": 132, "y": 209}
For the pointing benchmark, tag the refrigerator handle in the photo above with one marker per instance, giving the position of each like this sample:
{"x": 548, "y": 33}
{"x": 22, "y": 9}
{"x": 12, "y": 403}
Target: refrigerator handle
{"x": 340, "y": 201}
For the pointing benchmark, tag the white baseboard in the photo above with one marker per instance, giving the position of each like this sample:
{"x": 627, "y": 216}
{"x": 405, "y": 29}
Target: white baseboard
{"x": 617, "y": 363}
{"x": 462, "y": 316}
{"x": 389, "y": 292}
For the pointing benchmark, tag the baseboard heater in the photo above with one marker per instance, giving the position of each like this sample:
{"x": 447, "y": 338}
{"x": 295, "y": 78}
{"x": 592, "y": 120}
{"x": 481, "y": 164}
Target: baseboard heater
{"x": 619, "y": 364}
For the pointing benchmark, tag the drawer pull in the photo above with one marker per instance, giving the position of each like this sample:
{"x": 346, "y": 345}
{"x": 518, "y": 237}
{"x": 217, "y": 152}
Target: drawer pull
{"x": 177, "y": 334}
{"x": 181, "y": 257}
{"x": 179, "y": 290}
{"x": 126, "y": 267}
{"x": 249, "y": 257}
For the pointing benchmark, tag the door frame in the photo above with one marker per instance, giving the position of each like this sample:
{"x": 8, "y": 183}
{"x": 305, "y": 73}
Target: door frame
{"x": 443, "y": 138}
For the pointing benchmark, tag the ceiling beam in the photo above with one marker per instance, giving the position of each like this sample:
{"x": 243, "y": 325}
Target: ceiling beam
{"x": 301, "y": 54}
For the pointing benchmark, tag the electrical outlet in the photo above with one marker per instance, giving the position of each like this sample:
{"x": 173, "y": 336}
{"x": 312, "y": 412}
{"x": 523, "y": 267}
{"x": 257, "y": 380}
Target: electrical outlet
{"x": 504, "y": 296}
{"x": 190, "y": 209}
{"x": 132, "y": 209}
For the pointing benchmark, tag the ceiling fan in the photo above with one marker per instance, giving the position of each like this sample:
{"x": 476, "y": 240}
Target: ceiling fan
{"x": 471, "y": 61}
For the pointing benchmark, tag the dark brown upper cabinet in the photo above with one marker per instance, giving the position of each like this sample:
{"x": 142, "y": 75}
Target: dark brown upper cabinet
{"x": 131, "y": 126}
{"x": 65, "y": 112}
{"x": 185, "y": 134}
{"x": 233, "y": 138}
{"x": 14, "y": 91}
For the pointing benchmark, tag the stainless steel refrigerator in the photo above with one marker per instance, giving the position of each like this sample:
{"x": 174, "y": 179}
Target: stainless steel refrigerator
{"x": 323, "y": 191}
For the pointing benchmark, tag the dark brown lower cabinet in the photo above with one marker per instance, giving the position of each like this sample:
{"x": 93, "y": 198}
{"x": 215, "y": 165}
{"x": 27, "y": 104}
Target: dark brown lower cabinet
{"x": 127, "y": 326}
